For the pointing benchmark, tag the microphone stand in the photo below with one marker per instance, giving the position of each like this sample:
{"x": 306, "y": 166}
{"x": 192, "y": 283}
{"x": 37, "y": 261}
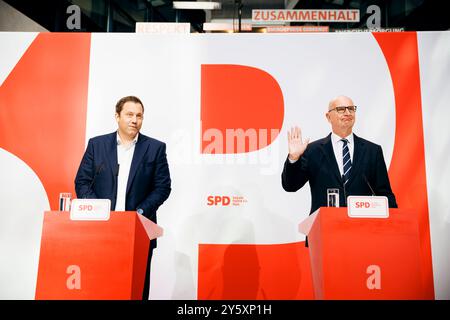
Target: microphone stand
{"x": 368, "y": 184}
{"x": 345, "y": 193}
{"x": 99, "y": 168}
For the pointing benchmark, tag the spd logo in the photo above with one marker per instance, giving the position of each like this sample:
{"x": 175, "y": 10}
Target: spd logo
{"x": 362, "y": 204}
{"x": 219, "y": 200}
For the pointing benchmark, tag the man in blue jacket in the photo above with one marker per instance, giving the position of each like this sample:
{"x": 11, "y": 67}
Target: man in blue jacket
{"x": 128, "y": 168}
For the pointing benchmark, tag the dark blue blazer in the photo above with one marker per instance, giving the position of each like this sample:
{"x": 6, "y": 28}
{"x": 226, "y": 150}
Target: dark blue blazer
{"x": 148, "y": 182}
{"x": 318, "y": 166}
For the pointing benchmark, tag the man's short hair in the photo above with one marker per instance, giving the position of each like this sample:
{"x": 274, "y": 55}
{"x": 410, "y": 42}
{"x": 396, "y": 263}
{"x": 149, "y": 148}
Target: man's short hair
{"x": 122, "y": 101}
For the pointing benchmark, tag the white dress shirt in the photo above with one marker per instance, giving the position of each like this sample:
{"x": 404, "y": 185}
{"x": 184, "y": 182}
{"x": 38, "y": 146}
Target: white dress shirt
{"x": 337, "y": 148}
{"x": 124, "y": 158}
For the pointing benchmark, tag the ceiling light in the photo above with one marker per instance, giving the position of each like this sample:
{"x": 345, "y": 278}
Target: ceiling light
{"x": 197, "y": 5}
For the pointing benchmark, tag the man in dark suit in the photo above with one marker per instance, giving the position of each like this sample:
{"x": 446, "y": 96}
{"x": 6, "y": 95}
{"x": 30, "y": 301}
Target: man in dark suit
{"x": 128, "y": 168}
{"x": 341, "y": 160}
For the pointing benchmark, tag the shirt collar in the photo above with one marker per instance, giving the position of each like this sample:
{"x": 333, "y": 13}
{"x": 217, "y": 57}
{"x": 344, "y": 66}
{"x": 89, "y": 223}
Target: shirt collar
{"x": 335, "y": 138}
{"x": 119, "y": 142}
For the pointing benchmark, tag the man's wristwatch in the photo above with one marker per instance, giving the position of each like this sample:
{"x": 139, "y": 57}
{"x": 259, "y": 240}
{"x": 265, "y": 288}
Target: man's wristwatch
{"x": 140, "y": 211}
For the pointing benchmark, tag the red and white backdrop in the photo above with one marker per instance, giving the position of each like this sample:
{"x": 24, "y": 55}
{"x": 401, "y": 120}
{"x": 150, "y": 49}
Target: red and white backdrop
{"x": 223, "y": 105}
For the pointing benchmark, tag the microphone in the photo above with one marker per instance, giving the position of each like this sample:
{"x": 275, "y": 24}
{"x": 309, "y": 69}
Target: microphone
{"x": 368, "y": 184}
{"x": 99, "y": 168}
{"x": 118, "y": 167}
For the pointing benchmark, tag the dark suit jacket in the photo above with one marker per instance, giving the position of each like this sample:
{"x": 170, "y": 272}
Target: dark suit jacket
{"x": 318, "y": 166}
{"x": 148, "y": 182}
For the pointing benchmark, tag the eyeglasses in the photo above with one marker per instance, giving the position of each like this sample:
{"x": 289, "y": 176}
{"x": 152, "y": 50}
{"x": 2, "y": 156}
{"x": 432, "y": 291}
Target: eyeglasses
{"x": 341, "y": 109}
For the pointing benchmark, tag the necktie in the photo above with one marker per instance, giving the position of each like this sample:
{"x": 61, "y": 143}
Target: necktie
{"x": 346, "y": 160}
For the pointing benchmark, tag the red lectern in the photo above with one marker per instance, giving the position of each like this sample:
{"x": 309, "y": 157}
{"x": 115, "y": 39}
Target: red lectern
{"x": 94, "y": 259}
{"x": 364, "y": 258}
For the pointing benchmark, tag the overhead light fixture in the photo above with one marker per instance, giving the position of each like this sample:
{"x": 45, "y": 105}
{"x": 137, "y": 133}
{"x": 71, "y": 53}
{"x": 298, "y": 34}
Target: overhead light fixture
{"x": 197, "y": 5}
{"x": 215, "y": 26}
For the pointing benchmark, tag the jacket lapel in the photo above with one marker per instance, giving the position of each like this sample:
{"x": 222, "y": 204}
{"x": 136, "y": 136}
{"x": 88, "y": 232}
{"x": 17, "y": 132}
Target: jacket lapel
{"x": 139, "y": 152}
{"x": 327, "y": 149}
{"x": 111, "y": 153}
{"x": 358, "y": 155}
